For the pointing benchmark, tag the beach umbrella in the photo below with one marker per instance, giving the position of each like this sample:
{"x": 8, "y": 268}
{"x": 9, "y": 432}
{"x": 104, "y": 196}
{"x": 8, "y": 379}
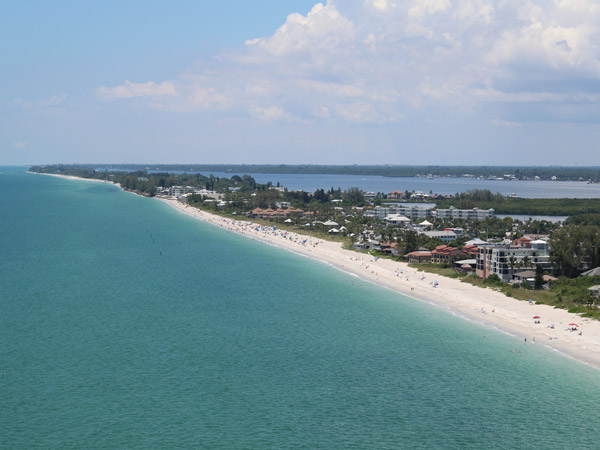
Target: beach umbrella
{"x": 536, "y": 317}
{"x": 573, "y": 325}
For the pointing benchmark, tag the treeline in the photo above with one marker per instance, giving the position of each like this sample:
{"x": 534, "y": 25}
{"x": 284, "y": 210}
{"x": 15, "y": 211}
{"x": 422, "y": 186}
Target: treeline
{"x": 587, "y": 208}
{"x": 575, "y": 248}
{"x": 545, "y": 173}
{"x": 145, "y": 183}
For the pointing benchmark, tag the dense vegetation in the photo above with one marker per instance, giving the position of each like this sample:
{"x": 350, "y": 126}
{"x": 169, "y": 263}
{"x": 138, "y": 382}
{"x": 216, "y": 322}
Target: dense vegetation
{"x": 545, "y": 173}
{"x": 485, "y": 199}
{"x": 146, "y": 183}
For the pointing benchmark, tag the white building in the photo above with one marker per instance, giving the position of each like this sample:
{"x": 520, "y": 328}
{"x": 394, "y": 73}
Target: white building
{"x": 466, "y": 214}
{"x": 412, "y": 212}
{"x": 444, "y": 236}
{"x": 396, "y": 219}
{"x": 504, "y": 261}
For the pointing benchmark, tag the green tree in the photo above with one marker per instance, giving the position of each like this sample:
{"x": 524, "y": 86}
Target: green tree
{"x": 354, "y": 196}
{"x": 539, "y": 277}
{"x": 575, "y": 248}
{"x": 410, "y": 242}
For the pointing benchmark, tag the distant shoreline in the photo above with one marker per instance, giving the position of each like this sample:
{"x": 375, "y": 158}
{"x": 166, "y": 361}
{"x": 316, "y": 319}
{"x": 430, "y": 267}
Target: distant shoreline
{"x": 479, "y": 172}
{"x": 485, "y": 306}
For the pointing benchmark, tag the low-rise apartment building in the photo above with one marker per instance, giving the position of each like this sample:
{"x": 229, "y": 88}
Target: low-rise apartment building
{"x": 412, "y": 212}
{"x": 466, "y": 214}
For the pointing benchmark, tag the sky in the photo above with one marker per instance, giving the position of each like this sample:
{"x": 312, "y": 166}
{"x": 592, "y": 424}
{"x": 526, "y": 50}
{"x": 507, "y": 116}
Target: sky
{"x": 454, "y": 82}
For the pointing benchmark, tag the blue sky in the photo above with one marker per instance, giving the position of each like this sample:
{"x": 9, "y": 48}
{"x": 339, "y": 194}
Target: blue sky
{"x": 342, "y": 82}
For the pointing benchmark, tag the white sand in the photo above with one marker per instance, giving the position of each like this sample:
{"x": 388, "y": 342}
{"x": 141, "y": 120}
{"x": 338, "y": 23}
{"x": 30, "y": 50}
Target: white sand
{"x": 70, "y": 177}
{"x": 485, "y": 306}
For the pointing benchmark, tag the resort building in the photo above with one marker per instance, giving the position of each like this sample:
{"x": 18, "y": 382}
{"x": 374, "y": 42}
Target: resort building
{"x": 396, "y": 219}
{"x": 466, "y": 214}
{"x": 412, "y": 212}
{"x": 444, "y": 236}
{"x": 443, "y": 254}
{"x": 505, "y": 261}
{"x": 420, "y": 257}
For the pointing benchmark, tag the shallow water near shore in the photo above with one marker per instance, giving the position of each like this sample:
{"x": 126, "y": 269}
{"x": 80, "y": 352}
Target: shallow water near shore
{"x": 125, "y": 324}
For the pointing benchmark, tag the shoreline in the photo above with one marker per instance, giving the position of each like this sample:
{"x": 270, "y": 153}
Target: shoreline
{"x": 483, "y": 306}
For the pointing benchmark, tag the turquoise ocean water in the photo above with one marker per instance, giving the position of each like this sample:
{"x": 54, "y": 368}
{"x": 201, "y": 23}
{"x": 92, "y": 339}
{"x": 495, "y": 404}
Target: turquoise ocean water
{"x": 125, "y": 324}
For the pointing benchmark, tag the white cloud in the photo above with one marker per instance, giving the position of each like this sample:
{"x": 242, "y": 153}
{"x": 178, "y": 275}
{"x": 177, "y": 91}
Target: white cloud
{"x": 131, "y": 90}
{"x": 380, "y": 5}
{"x": 376, "y": 61}
{"x": 270, "y": 113}
{"x": 423, "y": 7}
{"x": 44, "y": 104}
{"x": 505, "y": 123}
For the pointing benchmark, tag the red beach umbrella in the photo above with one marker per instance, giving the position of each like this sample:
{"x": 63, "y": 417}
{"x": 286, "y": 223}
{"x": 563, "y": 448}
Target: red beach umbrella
{"x": 573, "y": 325}
{"x": 536, "y": 317}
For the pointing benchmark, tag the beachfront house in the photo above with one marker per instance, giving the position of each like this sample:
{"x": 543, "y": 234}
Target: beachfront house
{"x": 595, "y": 291}
{"x": 389, "y": 247}
{"x": 443, "y": 254}
{"x": 419, "y": 257}
{"x": 465, "y": 265}
{"x": 369, "y": 244}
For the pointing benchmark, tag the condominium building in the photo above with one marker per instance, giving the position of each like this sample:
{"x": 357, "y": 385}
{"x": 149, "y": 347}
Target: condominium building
{"x": 467, "y": 214}
{"x": 504, "y": 261}
{"x": 412, "y": 212}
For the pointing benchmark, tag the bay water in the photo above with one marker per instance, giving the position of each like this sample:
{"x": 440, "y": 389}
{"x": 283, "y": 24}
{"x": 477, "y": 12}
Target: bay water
{"x": 126, "y": 324}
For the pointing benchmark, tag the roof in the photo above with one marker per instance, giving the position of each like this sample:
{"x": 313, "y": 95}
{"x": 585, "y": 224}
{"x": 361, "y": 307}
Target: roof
{"x": 440, "y": 233}
{"x": 445, "y": 250}
{"x": 475, "y": 241}
{"x": 592, "y": 273}
{"x": 525, "y": 274}
{"x": 471, "y": 262}
{"x": 595, "y": 288}
{"x": 419, "y": 253}
{"x": 397, "y": 217}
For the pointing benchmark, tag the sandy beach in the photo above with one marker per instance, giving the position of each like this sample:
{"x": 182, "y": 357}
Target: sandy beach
{"x": 485, "y": 306}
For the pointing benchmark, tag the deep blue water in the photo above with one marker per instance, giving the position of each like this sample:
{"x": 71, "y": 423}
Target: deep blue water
{"x": 125, "y": 324}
